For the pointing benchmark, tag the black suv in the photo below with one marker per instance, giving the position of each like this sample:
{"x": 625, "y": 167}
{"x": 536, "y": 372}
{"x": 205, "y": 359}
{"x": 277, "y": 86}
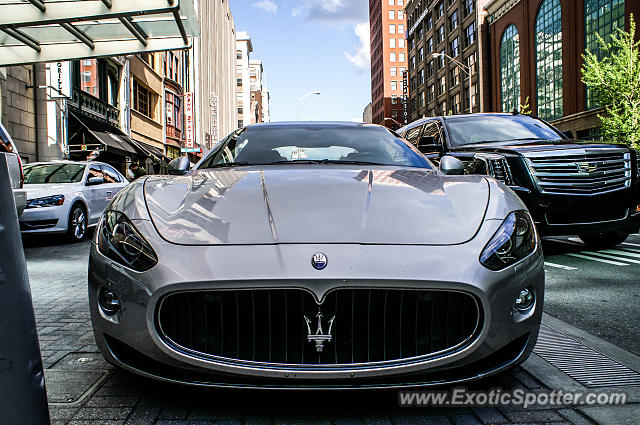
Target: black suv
{"x": 570, "y": 187}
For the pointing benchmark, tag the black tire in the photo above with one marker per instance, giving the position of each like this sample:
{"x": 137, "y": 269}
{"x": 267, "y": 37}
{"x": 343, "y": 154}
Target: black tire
{"x": 77, "y": 226}
{"x": 606, "y": 240}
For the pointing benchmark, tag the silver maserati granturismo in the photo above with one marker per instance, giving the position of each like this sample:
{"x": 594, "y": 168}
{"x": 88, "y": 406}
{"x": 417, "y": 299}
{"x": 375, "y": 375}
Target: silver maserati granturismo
{"x": 316, "y": 255}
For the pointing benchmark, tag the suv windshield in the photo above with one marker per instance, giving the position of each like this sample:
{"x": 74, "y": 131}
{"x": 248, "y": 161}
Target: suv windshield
{"x": 498, "y": 128}
{"x": 314, "y": 144}
{"x": 53, "y": 173}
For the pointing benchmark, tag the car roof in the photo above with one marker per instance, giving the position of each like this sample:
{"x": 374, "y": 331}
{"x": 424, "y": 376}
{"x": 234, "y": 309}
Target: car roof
{"x": 306, "y": 124}
{"x": 63, "y": 161}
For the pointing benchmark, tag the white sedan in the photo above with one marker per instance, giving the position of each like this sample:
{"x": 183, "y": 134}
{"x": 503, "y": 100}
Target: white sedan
{"x": 67, "y": 197}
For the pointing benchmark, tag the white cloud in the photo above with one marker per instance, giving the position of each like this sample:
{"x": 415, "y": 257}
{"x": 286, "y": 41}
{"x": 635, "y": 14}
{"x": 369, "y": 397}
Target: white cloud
{"x": 267, "y": 5}
{"x": 333, "y": 11}
{"x": 362, "y": 56}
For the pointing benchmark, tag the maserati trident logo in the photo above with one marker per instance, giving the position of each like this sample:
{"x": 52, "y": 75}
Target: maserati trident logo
{"x": 587, "y": 167}
{"x": 319, "y": 261}
{"x": 319, "y": 337}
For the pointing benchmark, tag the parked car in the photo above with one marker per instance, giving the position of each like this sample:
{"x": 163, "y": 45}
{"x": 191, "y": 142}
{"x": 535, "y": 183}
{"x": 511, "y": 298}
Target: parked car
{"x": 570, "y": 186}
{"x": 15, "y": 169}
{"x": 67, "y": 197}
{"x": 316, "y": 255}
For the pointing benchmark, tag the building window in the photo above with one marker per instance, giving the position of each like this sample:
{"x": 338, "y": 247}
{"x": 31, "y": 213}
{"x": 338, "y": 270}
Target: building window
{"x": 239, "y": 54}
{"x": 453, "y": 21}
{"x": 430, "y": 45}
{"x": 455, "y": 47}
{"x": 431, "y": 93}
{"x": 400, "y": 14}
{"x": 89, "y": 76}
{"x": 548, "y": 39}
{"x": 421, "y": 55}
{"x": 421, "y": 81}
{"x": 392, "y": 2}
{"x": 401, "y": 29}
{"x": 401, "y": 43}
{"x": 392, "y": 29}
{"x": 394, "y": 85}
{"x": 439, "y": 10}
{"x": 472, "y": 62}
{"x": 143, "y": 100}
{"x": 469, "y": 7}
{"x": 394, "y": 71}
{"x": 420, "y": 33}
{"x": 392, "y": 14}
{"x": 239, "y": 82}
{"x": 394, "y": 100}
{"x": 601, "y": 18}
{"x": 421, "y": 99}
{"x": 401, "y": 57}
{"x": 429, "y": 23}
{"x": 440, "y": 34}
{"x": 430, "y": 69}
{"x": 470, "y": 34}
{"x": 455, "y": 105}
{"x": 442, "y": 86}
{"x": 392, "y": 43}
{"x": 455, "y": 76}
{"x": 392, "y": 57}
{"x": 510, "y": 69}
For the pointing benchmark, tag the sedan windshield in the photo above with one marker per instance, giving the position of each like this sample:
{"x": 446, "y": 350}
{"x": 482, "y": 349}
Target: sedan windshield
{"x": 314, "y": 144}
{"x": 498, "y": 128}
{"x": 53, "y": 173}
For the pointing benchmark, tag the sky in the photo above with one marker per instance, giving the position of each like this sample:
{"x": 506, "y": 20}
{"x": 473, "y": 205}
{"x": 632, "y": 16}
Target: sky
{"x": 310, "y": 45}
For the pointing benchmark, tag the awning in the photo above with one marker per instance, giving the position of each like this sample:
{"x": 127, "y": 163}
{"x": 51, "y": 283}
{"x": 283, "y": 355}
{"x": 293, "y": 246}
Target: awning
{"x": 50, "y": 31}
{"x": 153, "y": 151}
{"x": 109, "y": 137}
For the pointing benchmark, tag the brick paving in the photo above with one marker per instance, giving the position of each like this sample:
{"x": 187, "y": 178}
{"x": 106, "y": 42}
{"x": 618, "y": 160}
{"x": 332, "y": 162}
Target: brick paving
{"x": 57, "y": 275}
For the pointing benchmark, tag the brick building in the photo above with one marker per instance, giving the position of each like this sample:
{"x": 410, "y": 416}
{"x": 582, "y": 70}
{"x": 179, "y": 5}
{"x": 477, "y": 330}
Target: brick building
{"x": 388, "y": 61}
{"x": 536, "y": 53}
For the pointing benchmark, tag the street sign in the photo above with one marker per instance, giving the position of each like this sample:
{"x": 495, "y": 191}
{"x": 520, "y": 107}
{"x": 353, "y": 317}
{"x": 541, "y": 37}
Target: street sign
{"x": 188, "y": 118}
{"x": 190, "y": 150}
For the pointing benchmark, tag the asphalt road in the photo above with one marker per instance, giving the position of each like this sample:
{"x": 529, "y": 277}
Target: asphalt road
{"x": 595, "y": 291}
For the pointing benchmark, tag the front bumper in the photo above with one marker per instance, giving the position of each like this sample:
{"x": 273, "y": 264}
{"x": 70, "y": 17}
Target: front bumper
{"x": 130, "y": 338}
{"x": 573, "y": 215}
{"x": 53, "y": 219}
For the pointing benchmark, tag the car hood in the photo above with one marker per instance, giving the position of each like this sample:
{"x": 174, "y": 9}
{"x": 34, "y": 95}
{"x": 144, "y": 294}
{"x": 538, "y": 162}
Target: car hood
{"x": 41, "y": 190}
{"x": 532, "y": 146}
{"x": 308, "y": 204}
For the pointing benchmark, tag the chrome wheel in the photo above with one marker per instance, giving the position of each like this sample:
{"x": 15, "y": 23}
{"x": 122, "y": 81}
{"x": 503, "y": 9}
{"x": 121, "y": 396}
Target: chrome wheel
{"x": 78, "y": 225}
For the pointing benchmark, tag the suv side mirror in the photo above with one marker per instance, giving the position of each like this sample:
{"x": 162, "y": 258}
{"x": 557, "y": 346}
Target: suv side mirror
{"x": 451, "y": 166}
{"x": 428, "y": 144}
{"x": 95, "y": 181}
{"x": 179, "y": 166}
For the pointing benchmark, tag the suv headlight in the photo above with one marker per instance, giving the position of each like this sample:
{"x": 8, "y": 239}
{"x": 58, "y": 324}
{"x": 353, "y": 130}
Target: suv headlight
{"x": 119, "y": 240}
{"x": 637, "y": 152}
{"x": 513, "y": 241}
{"x": 497, "y": 167}
{"x": 47, "y": 201}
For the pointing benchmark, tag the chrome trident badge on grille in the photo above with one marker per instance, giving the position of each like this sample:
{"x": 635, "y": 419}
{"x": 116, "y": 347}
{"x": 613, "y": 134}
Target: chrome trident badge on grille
{"x": 319, "y": 337}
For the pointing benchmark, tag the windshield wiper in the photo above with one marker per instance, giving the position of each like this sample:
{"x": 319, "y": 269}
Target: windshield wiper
{"x": 230, "y": 164}
{"x": 350, "y": 161}
{"x": 323, "y": 161}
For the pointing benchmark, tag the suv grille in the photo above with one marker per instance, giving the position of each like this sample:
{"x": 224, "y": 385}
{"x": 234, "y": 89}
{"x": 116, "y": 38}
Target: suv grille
{"x": 583, "y": 173}
{"x": 268, "y": 325}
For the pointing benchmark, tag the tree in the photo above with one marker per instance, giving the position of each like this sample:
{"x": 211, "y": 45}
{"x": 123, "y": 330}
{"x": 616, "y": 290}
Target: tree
{"x": 615, "y": 80}
{"x": 525, "y": 108}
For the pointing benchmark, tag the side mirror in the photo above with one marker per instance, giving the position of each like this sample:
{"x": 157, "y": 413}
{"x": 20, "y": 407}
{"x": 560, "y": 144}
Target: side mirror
{"x": 428, "y": 144}
{"x": 179, "y": 166}
{"x": 569, "y": 134}
{"x": 451, "y": 166}
{"x": 95, "y": 181}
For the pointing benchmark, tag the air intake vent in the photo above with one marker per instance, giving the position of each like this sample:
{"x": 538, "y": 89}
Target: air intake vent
{"x": 497, "y": 167}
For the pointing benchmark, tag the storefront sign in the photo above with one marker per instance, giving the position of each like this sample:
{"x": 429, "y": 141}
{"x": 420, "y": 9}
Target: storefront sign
{"x": 188, "y": 118}
{"x": 214, "y": 121}
{"x": 405, "y": 97}
{"x": 58, "y": 78}
{"x": 190, "y": 150}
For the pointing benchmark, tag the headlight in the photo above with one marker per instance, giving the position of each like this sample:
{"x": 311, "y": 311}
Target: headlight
{"x": 497, "y": 167}
{"x": 47, "y": 201}
{"x": 120, "y": 241}
{"x": 637, "y": 151}
{"x": 515, "y": 240}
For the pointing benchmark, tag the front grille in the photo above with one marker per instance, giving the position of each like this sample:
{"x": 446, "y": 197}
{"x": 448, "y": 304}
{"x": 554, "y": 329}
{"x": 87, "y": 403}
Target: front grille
{"x": 584, "y": 173}
{"x": 38, "y": 224}
{"x": 268, "y": 325}
{"x": 588, "y": 217}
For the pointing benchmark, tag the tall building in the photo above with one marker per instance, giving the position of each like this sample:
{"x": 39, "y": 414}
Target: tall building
{"x": 439, "y": 84}
{"x": 252, "y": 96}
{"x": 388, "y": 61}
{"x": 536, "y": 54}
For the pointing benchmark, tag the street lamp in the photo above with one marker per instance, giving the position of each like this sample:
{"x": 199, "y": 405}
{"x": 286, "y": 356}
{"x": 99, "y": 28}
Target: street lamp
{"x": 462, "y": 66}
{"x": 303, "y": 98}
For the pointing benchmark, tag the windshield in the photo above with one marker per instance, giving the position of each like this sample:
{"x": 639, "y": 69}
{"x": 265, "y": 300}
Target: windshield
{"x": 53, "y": 173}
{"x": 498, "y": 128}
{"x": 315, "y": 144}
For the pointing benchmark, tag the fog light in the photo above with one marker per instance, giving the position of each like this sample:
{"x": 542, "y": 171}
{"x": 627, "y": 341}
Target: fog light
{"x": 109, "y": 301}
{"x": 525, "y": 300}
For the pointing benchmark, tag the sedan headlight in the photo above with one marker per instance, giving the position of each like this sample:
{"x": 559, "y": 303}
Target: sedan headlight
{"x": 119, "y": 240}
{"x": 47, "y": 201}
{"x": 515, "y": 240}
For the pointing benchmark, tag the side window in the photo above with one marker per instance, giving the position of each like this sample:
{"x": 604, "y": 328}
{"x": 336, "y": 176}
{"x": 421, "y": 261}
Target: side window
{"x": 95, "y": 171}
{"x": 110, "y": 175}
{"x": 414, "y": 134}
{"x": 433, "y": 130}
